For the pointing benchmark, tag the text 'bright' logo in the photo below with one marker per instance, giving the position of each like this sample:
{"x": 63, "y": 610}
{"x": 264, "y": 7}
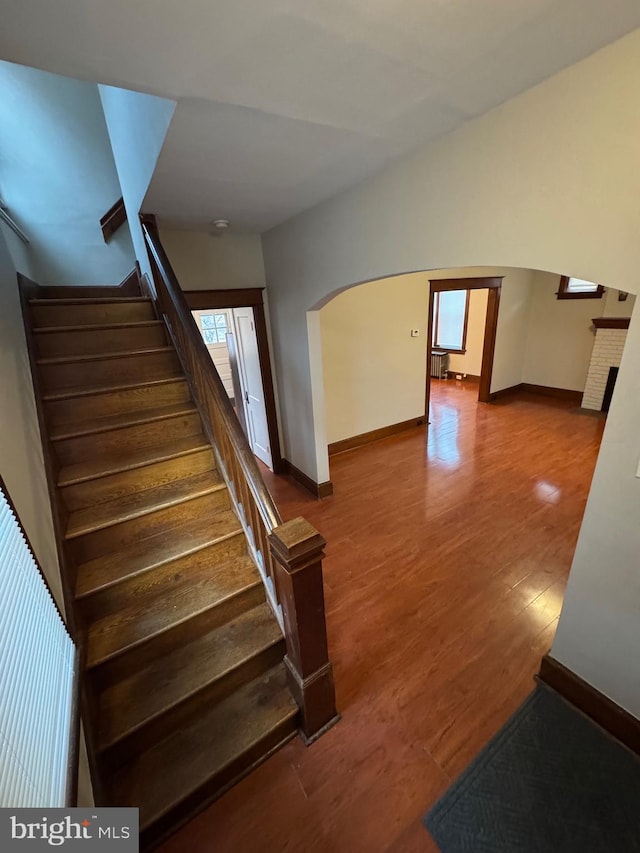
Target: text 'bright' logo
{"x": 57, "y": 832}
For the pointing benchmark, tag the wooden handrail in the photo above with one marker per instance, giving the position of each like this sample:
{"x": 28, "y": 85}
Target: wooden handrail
{"x": 289, "y": 555}
{"x": 113, "y": 219}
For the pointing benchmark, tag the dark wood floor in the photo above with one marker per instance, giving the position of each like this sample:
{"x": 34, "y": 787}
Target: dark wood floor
{"x": 445, "y": 571}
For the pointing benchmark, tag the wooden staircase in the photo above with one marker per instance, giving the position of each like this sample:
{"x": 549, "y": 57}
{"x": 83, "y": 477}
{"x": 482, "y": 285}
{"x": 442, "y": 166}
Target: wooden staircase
{"x": 183, "y": 657}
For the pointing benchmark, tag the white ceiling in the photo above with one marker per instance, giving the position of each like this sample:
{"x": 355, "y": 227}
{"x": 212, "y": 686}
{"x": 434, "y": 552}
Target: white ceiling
{"x": 282, "y": 103}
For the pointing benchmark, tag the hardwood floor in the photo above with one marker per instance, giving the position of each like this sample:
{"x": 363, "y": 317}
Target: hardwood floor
{"x": 446, "y": 565}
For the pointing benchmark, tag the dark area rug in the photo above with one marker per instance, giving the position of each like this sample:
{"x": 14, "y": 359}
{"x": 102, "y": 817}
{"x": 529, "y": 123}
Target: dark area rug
{"x": 550, "y": 781}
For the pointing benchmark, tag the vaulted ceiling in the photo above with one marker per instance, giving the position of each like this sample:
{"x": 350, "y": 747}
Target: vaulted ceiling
{"x": 283, "y": 103}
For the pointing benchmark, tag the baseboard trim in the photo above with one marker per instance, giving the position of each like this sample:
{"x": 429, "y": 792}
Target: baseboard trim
{"x": 558, "y": 393}
{"x": 469, "y": 377}
{"x": 373, "y": 435}
{"x": 574, "y": 397}
{"x": 611, "y": 717}
{"x": 505, "y": 392}
{"x": 318, "y": 490}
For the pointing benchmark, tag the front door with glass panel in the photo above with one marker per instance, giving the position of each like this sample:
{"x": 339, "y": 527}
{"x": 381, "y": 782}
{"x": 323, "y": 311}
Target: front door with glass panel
{"x": 214, "y": 326}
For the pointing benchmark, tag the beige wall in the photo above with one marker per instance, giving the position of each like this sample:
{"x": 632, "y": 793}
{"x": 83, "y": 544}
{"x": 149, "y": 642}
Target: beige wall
{"x": 560, "y": 333}
{"x": 374, "y": 372}
{"x": 21, "y": 462}
{"x": 205, "y": 262}
{"x": 560, "y": 336}
{"x": 506, "y": 188}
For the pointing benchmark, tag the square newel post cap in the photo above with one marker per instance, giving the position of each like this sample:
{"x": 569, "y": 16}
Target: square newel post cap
{"x": 297, "y": 543}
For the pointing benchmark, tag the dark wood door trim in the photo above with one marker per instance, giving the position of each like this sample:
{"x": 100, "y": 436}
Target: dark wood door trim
{"x": 494, "y": 286}
{"x": 242, "y": 298}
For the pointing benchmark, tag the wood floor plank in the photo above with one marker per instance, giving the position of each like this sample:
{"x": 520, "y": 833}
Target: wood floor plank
{"x": 447, "y": 555}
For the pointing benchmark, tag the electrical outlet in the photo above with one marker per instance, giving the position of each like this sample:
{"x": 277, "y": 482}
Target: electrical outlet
{"x": 415, "y": 333}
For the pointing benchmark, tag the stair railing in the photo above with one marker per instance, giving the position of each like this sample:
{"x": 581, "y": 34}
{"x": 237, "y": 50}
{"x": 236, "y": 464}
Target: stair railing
{"x": 289, "y": 554}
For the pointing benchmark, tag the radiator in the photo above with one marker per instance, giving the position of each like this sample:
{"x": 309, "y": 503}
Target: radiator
{"x": 439, "y": 364}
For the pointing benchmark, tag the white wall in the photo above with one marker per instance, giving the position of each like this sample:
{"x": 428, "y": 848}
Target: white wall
{"x": 58, "y": 177}
{"x": 21, "y": 462}
{"x": 496, "y": 191}
{"x": 506, "y": 188}
{"x": 137, "y": 125}
{"x": 471, "y": 361}
{"x": 205, "y": 262}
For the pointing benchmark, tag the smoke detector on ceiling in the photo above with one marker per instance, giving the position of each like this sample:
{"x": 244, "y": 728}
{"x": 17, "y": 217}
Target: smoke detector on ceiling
{"x": 220, "y": 224}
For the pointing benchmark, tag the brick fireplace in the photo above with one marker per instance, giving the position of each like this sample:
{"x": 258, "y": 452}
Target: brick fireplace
{"x": 611, "y": 334}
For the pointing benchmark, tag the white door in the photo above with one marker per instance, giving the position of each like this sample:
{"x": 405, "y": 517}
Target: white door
{"x": 251, "y": 381}
{"x": 214, "y": 325}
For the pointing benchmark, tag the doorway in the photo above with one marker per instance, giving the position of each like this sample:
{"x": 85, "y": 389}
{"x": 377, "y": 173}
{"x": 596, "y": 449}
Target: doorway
{"x": 457, "y": 292}
{"x": 233, "y": 326}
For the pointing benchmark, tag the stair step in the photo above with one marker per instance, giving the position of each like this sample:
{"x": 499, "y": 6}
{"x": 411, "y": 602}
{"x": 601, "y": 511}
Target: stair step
{"x": 87, "y": 300}
{"x": 63, "y": 408}
{"x": 135, "y": 433}
{"x": 94, "y": 518}
{"x": 91, "y": 426}
{"x": 107, "y": 370}
{"x": 160, "y": 551}
{"x": 90, "y": 311}
{"x": 152, "y": 625}
{"x": 101, "y": 356}
{"x": 198, "y": 762}
{"x": 206, "y": 670}
{"x": 109, "y": 477}
{"x": 58, "y": 341}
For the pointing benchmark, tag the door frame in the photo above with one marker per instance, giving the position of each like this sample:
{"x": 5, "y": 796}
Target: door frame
{"x": 494, "y": 285}
{"x": 248, "y": 297}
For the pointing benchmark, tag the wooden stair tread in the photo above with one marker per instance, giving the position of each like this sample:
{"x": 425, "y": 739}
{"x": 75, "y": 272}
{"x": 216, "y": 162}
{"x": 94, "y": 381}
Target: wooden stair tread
{"x": 89, "y": 300}
{"x": 70, "y": 393}
{"x": 99, "y": 516}
{"x": 73, "y": 429}
{"x": 101, "y": 356}
{"x": 129, "y": 460}
{"x": 143, "y": 618}
{"x": 109, "y": 569}
{"x": 95, "y": 327}
{"x": 166, "y": 774}
{"x": 185, "y": 671}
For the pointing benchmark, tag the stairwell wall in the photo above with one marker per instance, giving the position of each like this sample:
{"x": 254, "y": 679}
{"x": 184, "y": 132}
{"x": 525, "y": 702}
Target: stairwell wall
{"x": 137, "y": 125}
{"x": 59, "y": 177}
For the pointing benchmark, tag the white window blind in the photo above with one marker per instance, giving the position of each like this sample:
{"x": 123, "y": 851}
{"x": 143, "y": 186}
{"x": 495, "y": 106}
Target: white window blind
{"x": 448, "y": 331}
{"x": 36, "y": 678}
{"x": 579, "y": 285}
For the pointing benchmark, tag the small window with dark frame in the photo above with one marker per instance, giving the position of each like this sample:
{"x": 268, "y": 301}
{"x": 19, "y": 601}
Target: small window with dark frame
{"x": 450, "y": 317}
{"x": 578, "y": 288}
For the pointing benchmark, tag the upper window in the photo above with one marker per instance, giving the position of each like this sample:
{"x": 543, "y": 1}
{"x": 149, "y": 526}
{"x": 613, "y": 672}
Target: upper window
{"x": 451, "y": 312}
{"x": 578, "y": 288}
{"x": 214, "y": 328}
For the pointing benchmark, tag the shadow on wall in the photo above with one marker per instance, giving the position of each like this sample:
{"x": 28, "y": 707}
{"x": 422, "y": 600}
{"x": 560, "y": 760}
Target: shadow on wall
{"x": 61, "y": 177}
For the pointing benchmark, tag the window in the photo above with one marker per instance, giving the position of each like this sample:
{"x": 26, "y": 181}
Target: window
{"x": 451, "y": 311}
{"x": 214, "y": 328}
{"x": 578, "y": 288}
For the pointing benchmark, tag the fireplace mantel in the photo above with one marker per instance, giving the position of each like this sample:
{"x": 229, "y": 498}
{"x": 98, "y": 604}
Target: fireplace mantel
{"x": 611, "y": 322}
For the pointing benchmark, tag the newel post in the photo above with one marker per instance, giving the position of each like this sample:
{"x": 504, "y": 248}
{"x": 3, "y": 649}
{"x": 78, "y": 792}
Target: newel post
{"x": 297, "y": 549}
